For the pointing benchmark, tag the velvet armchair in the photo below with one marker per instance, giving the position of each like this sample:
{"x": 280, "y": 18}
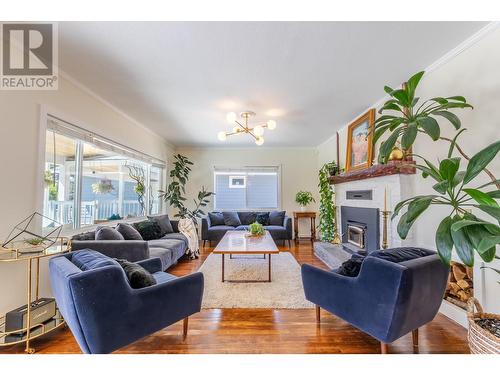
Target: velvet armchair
{"x": 104, "y": 313}
{"x": 386, "y": 300}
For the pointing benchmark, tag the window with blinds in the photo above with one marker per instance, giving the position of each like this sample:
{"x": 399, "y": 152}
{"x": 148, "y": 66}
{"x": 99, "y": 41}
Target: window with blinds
{"x": 248, "y": 188}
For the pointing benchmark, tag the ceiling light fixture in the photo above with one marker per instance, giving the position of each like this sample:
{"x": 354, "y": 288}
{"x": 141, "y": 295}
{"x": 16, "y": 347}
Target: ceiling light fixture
{"x": 257, "y": 131}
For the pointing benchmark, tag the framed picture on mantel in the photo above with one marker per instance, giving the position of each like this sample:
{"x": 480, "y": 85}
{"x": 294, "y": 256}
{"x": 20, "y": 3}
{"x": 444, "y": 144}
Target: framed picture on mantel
{"x": 359, "y": 142}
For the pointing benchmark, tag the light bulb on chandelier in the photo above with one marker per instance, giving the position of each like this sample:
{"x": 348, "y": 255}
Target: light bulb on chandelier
{"x": 271, "y": 124}
{"x": 222, "y": 136}
{"x": 259, "y": 141}
{"x": 258, "y": 130}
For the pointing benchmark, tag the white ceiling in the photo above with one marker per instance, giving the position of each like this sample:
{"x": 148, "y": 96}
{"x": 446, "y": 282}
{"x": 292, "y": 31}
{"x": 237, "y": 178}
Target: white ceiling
{"x": 181, "y": 78}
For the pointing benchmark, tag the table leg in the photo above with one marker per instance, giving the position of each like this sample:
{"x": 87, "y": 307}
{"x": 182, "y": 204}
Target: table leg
{"x": 296, "y": 229}
{"x": 269, "y": 267}
{"x": 313, "y": 229}
{"x": 28, "y": 349}
{"x": 222, "y": 267}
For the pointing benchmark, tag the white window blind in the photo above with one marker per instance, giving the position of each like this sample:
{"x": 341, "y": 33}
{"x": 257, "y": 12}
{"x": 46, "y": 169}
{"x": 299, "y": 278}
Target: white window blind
{"x": 247, "y": 188}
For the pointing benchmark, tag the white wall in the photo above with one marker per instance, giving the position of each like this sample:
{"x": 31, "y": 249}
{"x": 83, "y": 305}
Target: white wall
{"x": 298, "y": 170}
{"x": 475, "y": 74}
{"x": 19, "y": 150}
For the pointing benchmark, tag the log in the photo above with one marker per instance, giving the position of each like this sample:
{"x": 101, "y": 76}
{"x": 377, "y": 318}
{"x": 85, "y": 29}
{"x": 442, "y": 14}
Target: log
{"x": 464, "y": 284}
{"x": 455, "y": 288}
{"x": 458, "y": 271}
{"x": 469, "y": 271}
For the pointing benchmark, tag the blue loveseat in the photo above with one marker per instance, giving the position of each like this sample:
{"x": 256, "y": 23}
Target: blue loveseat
{"x": 102, "y": 310}
{"x": 387, "y": 300}
{"x": 213, "y": 232}
{"x": 170, "y": 248}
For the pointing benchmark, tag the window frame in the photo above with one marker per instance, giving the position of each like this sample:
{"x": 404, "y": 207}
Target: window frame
{"x": 78, "y": 131}
{"x": 234, "y": 171}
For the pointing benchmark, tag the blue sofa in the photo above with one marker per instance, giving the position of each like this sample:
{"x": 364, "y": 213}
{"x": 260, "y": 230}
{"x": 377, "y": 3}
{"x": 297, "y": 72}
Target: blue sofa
{"x": 386, "y": 300}
{"x": 170, "y": 248}
{"x": 214, "y": 233}
{"x": 104, "y": 313}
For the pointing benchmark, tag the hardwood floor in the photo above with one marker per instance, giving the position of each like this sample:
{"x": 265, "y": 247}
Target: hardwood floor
{"x": 267, "y": 330}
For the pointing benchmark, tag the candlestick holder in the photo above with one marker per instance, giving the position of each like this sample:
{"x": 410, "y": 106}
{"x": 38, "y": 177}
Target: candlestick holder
{"x": 385, "y": 215}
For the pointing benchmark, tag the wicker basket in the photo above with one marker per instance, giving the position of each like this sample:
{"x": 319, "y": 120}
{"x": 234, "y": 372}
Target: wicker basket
{"x": 481, "y": 341}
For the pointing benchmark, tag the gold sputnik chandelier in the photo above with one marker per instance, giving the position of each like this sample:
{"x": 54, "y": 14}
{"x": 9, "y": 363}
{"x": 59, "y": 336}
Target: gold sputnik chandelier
{"x": 257, "y": 131}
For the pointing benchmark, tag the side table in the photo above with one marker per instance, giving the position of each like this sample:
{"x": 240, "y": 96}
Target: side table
{"x": 298, "y": 215}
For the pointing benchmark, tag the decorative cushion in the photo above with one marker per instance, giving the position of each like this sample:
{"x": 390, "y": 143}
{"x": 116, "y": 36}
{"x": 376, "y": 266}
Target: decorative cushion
{"x": 231, "y": 218}
{"x": 128, "y": 231}
{"x": 164, "y": 222}
{"x": 351, "y": 267}
{"x": 216, "y": 218}
{"x": 276, "y": 218}
{"x": 247, "y": 218}
{"x": 107, "y": 234}
{"x": 149, "y": 230}
{"x": 263, "y": 218}
{"x": 400, "y": 254}
{"x": 90, "y": 259}
{"x": 85, "y": 236}
{"x": 138, "y": 277}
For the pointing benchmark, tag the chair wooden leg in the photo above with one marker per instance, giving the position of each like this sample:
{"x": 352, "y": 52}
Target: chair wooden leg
{"x": 414, "y": 336}
{"x": 289, "y": 244}
{"x": 185, "y": 328}
{"x": 383, "y": 348}
{"x": 318, "y": 314}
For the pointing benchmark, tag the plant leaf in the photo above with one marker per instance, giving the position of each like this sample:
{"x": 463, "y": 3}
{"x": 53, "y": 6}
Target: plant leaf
{"x": 493, "y": 211}
{"x": 454, "y": 142}
{"x": 463, "y": 246}
{"x": 409, "y": 136}
{"x": 480, "y": 160}
{"x": 441, "y": 187}
{"x": 413, "y": 82}
{"x": 430, "y": 126}
{"x": 487, "y": 242}
{"x": 404, "y": 226}
{"x": 417, "y": 206}
{"x": 388, "y": 145}
{"x": 481, "y": 198}
{"x": 488, "y": 255}
{"x": 451, "y": 117}
{"x": 495, "y": 194}
{"x": 448, "y": 168}
{"x": 444, "y": 241}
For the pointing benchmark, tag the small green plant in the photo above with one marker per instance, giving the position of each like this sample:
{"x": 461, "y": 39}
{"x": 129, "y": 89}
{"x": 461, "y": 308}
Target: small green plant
{"x": 137, "y": 173}
{"x": 303, "y": 198}
{"x": 104, "y": 186}
{"x": 326, "y": 205}
{"x": 256, "y": 229}
{"x": 35, "y": 241}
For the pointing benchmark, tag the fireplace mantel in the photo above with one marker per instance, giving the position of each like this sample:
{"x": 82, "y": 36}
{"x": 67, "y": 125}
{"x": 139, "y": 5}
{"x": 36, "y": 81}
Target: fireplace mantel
{"x": 377, "y": 170}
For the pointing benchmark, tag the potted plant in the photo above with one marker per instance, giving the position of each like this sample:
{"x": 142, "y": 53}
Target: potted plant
{"x": 454, "y": 187}
{"x": 304, "y": 198}
{"x": 104, "y": 186}
{"x": 326, "y": 205}
{"x": 256, "y": 229}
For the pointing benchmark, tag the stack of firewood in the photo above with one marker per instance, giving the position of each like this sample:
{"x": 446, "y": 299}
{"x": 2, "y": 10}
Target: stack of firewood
{"x": 460, "y": 286}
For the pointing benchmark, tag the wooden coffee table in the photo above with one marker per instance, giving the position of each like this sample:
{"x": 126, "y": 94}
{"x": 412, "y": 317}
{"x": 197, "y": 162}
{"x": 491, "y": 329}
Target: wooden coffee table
{"x": 241, "y": 242}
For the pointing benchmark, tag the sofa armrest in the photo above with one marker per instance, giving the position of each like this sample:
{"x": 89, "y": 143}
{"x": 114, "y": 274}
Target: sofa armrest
{"x": 287, "y": 223}
{"x": 175, "y": 225}
{"x": 130, "y": 250}
{"x": 151, "y": 265}
{"x": 205, "y": 224}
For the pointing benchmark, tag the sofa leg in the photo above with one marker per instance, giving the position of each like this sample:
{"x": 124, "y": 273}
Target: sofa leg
{"x": 414, "y": 336}
{"x": 185, "y": 328}
{"x": 383, "y": 348}
{"x": 318, "y": 314}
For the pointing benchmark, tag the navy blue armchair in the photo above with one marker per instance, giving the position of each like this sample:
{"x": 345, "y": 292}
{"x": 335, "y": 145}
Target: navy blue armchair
{"x": 104, "y": 313}
{"x": 386, "y": 300}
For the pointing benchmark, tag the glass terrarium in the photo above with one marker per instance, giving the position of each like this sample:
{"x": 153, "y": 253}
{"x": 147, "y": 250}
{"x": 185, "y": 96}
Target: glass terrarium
{"x": 34, "y": 234}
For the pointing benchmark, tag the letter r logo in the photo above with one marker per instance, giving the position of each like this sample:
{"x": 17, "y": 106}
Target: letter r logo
{"x": 27, "y": 49}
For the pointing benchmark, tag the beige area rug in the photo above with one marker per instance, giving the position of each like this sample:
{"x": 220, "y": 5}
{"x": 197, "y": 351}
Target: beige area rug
{"x": 285, "y": 291}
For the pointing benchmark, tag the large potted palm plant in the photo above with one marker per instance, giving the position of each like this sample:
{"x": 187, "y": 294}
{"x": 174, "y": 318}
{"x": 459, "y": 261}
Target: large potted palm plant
{"x": 404, "y": 117}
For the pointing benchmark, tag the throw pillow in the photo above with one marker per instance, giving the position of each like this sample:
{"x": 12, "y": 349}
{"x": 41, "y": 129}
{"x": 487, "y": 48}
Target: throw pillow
{"x": 128, "y": 231}
{"x": 247, "y": 218}
{"x": 107, "y": 234}
{"x": 263, "y": 218}
{"x": 216, "y": 218}
{"x": 231, "y": 218}
{"x": 137, "y": 276}
{"x": 351, "y": 267}
{"x": 164, "y": 223}
{"x": 277, "y": 218}
{"x": 90, "y": 260}
{"x": 401, "y": 254}
{"x": 149, "y": 230}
